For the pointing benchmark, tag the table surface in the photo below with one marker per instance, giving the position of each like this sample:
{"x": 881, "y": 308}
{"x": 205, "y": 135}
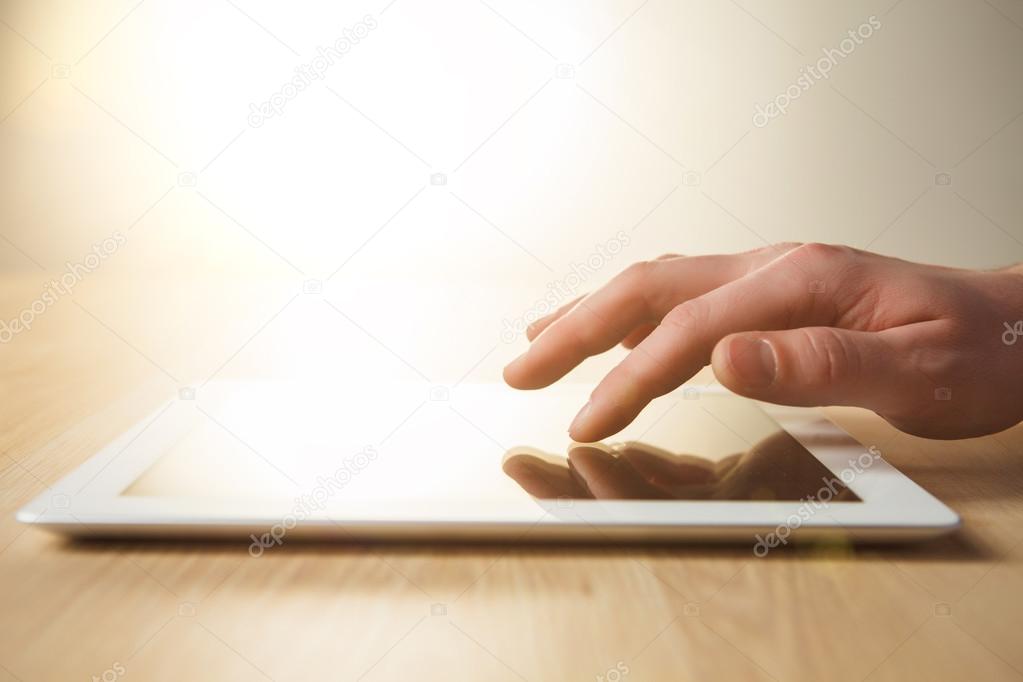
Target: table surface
{"x": 950, "y": 609}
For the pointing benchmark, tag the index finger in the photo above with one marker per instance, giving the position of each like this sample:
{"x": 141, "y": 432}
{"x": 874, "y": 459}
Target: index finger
{"x": 776, "y": 296}
{"x": 642, "y": 293}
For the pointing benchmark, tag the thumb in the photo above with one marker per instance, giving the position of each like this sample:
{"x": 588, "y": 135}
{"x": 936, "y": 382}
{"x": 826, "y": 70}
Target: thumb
{"x": 813, "y": 366}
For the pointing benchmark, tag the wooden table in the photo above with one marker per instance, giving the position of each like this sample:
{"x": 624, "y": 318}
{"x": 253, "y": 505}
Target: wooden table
{"x": 951, "y": 609}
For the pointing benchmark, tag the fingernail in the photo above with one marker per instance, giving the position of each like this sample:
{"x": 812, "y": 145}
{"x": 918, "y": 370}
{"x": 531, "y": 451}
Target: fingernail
{"x": 753, "y": 360}
{"x": 580, "y": 418}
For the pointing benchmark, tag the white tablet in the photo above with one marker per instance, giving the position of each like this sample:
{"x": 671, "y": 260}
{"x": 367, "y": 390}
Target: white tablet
{"x": 271, "y": 462}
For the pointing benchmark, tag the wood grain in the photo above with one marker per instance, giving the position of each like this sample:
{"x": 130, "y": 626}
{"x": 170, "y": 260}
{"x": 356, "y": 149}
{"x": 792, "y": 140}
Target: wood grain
{"x": 951, "y": 609}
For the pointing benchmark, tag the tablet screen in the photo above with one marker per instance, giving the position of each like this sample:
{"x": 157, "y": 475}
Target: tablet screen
{"x": 478, "y": 443}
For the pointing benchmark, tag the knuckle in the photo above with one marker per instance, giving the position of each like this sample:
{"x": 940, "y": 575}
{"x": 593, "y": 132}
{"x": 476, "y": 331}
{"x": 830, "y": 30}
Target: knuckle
{"x": 634, "y": 277}
{"x": 776, "y": 248}
{"x": 631, "y": 384}
{"x": 637, "y": 272}
{"x": 818, "y": 254}
{"x": 634, "y": 283}
{"x": 783, "y": 247}
{"x": 693, "y": 315}
{"x": 757, "y": 258}
{"x": 833, "y": 359}
{"x": 647, "y": 376}
{"x": 824, "y": 267}
{"x": 944, "y": 365}
{"x": 586, "y": 336}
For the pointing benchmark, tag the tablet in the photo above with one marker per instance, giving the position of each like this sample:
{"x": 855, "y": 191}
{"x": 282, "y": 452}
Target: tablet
{"x": 273, "y": 461}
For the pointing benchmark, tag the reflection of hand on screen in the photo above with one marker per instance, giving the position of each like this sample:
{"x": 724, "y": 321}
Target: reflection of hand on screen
{"x": 776, "y": 468}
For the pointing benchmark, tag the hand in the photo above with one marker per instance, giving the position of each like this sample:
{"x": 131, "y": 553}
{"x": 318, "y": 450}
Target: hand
{"x": 776, "y": 468}
{"x": 808, "y": 325}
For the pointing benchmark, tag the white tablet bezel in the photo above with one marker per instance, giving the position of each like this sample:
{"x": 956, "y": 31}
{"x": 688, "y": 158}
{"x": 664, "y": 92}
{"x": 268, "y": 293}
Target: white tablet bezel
{"x": 88, "y": 502}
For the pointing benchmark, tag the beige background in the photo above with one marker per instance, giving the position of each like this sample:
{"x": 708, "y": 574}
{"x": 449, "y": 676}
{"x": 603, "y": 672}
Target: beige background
{"x": 660, "y": 88}
{"x": 113, "y": 111}
{"x": 316, "y": 246}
